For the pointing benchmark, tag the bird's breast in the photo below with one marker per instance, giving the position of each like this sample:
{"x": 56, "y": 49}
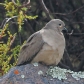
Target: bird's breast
{"x": 53, "y": 39}
{"x": 48, "y": 55}
{"x": 52, "y": 50}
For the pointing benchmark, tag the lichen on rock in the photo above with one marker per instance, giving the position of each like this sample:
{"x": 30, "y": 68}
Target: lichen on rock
{"x": 60, "y": 73}
{"x": 40, "y": 72}
{"x": 35, "y": 64}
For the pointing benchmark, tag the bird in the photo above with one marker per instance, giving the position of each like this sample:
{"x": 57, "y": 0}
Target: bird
{"x": 44, "y": 46}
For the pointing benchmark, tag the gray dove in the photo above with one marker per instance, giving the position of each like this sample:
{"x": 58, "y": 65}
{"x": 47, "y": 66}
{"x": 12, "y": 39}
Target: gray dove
{"x": 46, "y": 45}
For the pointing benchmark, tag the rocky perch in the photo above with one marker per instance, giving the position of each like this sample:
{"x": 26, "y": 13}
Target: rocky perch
{"x": 40, "y": 74}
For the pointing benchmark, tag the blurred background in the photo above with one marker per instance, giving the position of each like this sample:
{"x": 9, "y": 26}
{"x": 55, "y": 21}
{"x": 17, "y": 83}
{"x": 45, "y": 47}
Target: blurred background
{"x": 20, "y": 18}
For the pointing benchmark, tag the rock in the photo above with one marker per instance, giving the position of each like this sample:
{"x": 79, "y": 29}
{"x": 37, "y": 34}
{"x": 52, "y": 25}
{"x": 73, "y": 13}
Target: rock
{"x": 34, "y": 74}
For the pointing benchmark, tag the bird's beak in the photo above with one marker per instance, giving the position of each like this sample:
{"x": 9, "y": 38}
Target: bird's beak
{"x": 65, "y": 29}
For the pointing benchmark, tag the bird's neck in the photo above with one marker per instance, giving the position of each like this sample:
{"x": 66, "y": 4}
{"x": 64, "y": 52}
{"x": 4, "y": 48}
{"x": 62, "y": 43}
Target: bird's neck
{"x": 56, "y": 31}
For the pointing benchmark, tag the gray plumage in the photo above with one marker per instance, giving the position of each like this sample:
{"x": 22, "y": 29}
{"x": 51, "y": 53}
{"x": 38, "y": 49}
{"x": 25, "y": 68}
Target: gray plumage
{"x": 46, "y": 45}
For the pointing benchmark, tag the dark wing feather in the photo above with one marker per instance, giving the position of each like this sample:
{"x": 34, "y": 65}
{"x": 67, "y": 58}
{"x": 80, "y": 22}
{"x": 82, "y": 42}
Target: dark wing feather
{"x": 30, "y": 49}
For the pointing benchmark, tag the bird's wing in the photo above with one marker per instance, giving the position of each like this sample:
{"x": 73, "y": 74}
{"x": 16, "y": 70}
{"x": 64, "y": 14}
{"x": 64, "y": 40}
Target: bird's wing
{"x": 30, "y": 49}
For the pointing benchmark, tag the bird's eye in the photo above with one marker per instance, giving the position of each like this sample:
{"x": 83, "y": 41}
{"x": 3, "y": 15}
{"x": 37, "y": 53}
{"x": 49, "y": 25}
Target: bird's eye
{"x": 59, "y": 24}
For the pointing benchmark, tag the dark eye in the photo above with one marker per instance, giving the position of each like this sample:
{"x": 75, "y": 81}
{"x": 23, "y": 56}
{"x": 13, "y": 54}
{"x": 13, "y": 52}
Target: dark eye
{"x": 59, "y": 24}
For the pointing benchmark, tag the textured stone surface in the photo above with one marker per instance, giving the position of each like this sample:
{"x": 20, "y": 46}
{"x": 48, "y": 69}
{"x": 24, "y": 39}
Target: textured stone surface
{"x": 31, "y": 74}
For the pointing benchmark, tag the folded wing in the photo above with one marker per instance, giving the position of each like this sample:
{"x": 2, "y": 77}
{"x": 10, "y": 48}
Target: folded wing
{"x": 30, "y": 49}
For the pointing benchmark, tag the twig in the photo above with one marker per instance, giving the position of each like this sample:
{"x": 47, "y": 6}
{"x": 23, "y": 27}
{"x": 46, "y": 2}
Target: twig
{"x": 23, "y": 5}
{"x": 74, "y": 33}
{"x": 50, "y": 1}
{"x": 70, "y": 33}
{"x": 29, "y": 26}
{"x": 3, "y": 23}
{"x": 12, "y": 41}
{"x": 80, "y": 66}
{"x": 77, "y": 22}
{"x": 7, "y": 20}
{"x": 63, "y": 65}
{"x": 66, "y": 57}
{"x": 70, "y": 12}
{"x": 45, "y": 8}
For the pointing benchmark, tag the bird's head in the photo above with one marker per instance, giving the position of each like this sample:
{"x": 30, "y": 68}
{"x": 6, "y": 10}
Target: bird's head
{"x": 56, "y": 24}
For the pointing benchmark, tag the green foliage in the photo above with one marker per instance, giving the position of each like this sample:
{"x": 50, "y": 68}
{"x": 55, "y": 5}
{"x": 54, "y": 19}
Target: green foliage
{"x": 8, "y": 54}
{"x": 17, "y": 10}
